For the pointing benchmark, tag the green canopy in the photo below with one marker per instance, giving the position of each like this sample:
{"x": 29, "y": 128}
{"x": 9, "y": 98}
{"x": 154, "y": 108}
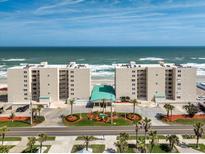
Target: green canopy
{"x": 101, "y": 92}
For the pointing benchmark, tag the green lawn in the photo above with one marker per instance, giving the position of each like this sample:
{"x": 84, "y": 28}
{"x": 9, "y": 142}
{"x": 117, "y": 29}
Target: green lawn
{"x": 51, "y": 138}
{"x": 11, "y": 139}
{"x": 84, "y": 121}
{"x": 201, "y": 147}
{"x": 162, "y": 148}
{"x": 191, "y": 137}
{"x": 134, "y": 137}
{"x": 81, "y": 138}
{"x": 14, "y": 124}
{"x": 5, "y": 148}
{"x": 35, "y": 149}
{"x": 97, "y": 148}
{"x": 187, "y": 121}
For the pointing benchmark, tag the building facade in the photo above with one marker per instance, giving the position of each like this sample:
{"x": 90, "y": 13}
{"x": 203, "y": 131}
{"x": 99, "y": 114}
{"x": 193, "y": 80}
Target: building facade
{"x": 156, "y": 82}
{"x": 56, "y": 82}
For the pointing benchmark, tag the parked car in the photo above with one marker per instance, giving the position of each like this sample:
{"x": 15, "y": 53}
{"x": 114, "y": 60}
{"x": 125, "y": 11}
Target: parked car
{"x": 22, "y": 109}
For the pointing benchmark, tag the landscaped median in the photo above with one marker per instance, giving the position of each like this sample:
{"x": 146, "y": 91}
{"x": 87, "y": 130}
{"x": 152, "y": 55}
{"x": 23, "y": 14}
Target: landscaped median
{"x": 184, "y": 119}
{"x": 20, "y": 121}
{"x": 101, "y": 119}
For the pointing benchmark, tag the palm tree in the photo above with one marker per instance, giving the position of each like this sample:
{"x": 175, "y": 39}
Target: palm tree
{"x": 31, "y": 143}
{"x": 122, "y": 144}
{"x": 87, "y": 139}
{"x": 167, "y": 108}
{"x": 104, "y": 105}
{"x": 141, "y": 145}
{"x": 71, "y": 102}
{"x": 12, "y": 115}
{"x": 3, "y": 131}
{"x": 171, "y": 107}
{"x": 134, "y": 102}
{"x": 153, "y": 138}
{"x": 198, "y": 130}
{"x": 137, "y": 126}
{"x": 39, "y": 107}
{"x": 191, "y": 109}
{"x": 173, "y": 139}
{"x": 34, "y": 112}
{"x": 146, "y": 124}
{"x": 42, "y": 138}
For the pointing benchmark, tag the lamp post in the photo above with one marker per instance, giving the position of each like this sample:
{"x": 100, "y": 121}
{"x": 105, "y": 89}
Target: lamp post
{"x": 111, "y": 114}
{"x": 31, "y": 112}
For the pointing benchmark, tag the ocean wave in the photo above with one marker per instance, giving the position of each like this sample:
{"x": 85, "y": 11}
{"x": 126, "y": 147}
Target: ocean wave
{"x": 151, "y": 59}
{"x": 98, "y": 68}
{"x": 14, "y": 59}
{"x": 179, "y": 58}
{"x": 103, "y": 74}
{"x": 201, "y": 58}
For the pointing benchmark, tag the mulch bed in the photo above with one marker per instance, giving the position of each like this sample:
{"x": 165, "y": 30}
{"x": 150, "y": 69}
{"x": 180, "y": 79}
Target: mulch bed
{"x": 133, "y": 117}
{"x": 72, "y": 118}
{"x": 183, "y": 116}
{"x": 17, "y": 118}
{"x": 95, "y": 116}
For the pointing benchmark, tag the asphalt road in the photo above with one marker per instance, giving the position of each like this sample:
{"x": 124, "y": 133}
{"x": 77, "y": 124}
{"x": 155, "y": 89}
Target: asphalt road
{"x": 96, "y": 130}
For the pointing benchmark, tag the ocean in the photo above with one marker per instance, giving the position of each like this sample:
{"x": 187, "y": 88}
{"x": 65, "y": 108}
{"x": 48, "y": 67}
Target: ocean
{"x": 101, "y": 59}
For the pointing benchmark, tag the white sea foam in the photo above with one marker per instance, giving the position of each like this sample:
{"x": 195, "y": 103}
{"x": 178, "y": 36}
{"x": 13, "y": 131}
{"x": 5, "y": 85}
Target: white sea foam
{"x": 179, "y": 58}
{"x": 151, "y": 59}
{"x": 13, "y": 59}
{"x": 201, "y": 58}
{"x": 95, "y": 68}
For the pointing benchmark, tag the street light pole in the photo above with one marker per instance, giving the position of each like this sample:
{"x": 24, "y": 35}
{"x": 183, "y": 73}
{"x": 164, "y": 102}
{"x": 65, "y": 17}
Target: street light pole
{"x": 31, "y": 106}
{"x": 111, "y": 114}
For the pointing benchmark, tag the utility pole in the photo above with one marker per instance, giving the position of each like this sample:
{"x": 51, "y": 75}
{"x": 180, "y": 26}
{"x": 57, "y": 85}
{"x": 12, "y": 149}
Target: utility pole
{"x": 111, "y": 114}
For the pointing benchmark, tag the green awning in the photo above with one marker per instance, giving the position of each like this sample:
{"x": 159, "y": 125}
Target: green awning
{"x": 101, "y": 92}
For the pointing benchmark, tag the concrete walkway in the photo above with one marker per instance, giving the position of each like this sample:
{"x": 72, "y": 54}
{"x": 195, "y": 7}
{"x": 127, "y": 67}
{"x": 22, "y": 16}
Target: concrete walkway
{"x": 186, "y": 149}
{"x": 20, "y": 146}
{"x": 62, "y": 144}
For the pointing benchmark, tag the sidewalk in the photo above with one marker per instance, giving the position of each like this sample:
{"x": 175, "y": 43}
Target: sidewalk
{"x": 20, "y": 146}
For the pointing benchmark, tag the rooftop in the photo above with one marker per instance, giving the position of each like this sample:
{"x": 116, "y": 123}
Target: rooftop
{"x": 101, "y": 92}
{"x": 133, "y": 64}
{"x": 72, "y": 65}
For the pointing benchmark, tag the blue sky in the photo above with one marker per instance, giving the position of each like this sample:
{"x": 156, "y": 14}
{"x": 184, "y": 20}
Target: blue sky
{"x": 102, "y": 22}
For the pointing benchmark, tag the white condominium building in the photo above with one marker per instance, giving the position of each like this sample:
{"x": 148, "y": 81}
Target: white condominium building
{"x": 56, "y": 82}
{"x": 156, "y": 82}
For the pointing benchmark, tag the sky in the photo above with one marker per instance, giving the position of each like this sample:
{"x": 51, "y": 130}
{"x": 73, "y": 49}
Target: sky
{"x": 102, "y": 22}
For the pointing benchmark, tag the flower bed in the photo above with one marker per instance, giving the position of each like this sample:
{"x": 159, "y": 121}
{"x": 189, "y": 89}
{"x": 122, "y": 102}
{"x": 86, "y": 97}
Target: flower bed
{"x": 16, "y": 118}
{"x": 183, "y": 116}
{"x": 96, "y": 116}
{"x": 133, "y": 117}
{"x": 72, "y": 118}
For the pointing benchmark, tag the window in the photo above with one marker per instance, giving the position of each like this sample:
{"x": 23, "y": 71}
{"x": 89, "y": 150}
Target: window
{"x": 133, "y": 93}
{"x": 72, "y": 85}
{"x": 71, "y": 80}
{"x": 72, "y": 76}
{"x": 156, "y": 83}
{"x": 133, "y": 88}
{"x": 71, "y": 71}
{"x": 25, "y": 90}
{"x": 25, "y": 72}
{"x": 25, "y": 98}
{"x": 179, "y": 71}
{"x": 25, "y": 76}
{"x": 179, "y": 84}
{"x": 25, "y": 85}
{"x": 178, "y": 97}
{"x": 48, "y": 84}
{"x": 133, "y": 84}
{"x": 133, "y": 80}
{"x": 179, "y": 75}
{"x": 48, "y": 75}
{"x": 156, "y": 74}
{"x": 133, "y": 75}
{"x": 48, "y": 93}
{"x": 72, "y": 89}
{"x": 25, "y": 94}
{"x": 72, "y": 93}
